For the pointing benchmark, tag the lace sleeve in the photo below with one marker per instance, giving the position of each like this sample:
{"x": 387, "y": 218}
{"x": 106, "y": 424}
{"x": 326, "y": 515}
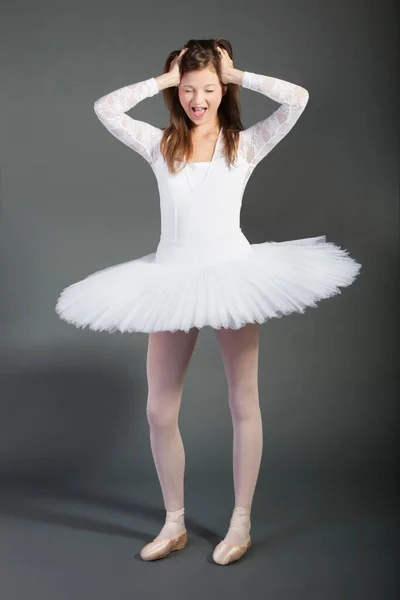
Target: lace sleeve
{"x": 138, "y": 135}
{"x": 259, "y": 139}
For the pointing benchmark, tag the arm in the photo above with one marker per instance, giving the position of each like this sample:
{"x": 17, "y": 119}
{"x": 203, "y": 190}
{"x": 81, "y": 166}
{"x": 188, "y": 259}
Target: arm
{"x": 111, "y": 109}
{"x": 259, "y": 139}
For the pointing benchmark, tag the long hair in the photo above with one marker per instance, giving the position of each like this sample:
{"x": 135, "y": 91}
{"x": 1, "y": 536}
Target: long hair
{"x": 176, "y": 141}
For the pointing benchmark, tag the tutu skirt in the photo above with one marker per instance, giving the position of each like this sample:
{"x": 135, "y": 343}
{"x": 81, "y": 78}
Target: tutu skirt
{"x": 272, "y": 279}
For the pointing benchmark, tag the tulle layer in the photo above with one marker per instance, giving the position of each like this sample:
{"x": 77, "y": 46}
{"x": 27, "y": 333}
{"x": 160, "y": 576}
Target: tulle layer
{"x": 275, "y": 279}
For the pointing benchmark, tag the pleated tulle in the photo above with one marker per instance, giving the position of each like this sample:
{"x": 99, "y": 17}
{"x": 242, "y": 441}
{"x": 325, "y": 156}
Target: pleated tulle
{"x": 275, "y": 279}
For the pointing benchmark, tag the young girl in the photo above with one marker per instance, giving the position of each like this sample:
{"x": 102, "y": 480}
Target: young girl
{"x": 204, "y": 271}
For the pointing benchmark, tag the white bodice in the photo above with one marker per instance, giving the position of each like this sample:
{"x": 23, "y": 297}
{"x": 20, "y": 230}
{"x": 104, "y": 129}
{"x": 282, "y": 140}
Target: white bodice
{"x": 200, "y": 205}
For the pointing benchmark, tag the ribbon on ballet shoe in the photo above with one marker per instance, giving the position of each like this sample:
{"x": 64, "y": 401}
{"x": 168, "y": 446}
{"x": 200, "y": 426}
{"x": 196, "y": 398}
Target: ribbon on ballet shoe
{"x": 174, "y": 524}
{"x": 175, "y": 516}
{"x": 240, "y": 516}
{"x": 226, "y": 551}
{"x": 240, "y": 523}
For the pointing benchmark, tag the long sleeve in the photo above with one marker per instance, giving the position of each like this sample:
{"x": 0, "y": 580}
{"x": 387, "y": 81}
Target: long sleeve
{"x": 259, "y": 139}
{"x": 111, "y": 109}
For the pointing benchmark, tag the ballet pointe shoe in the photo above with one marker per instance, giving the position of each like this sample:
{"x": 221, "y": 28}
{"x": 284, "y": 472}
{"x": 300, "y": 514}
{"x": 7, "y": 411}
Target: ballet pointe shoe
{"x": 224, "y": 553}
{"x": 163, "y": 546}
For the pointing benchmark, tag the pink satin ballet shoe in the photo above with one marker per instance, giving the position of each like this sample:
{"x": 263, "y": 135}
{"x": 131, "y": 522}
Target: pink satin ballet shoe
{"x": 227, "y": 553}
{"x": 163, "y": 546}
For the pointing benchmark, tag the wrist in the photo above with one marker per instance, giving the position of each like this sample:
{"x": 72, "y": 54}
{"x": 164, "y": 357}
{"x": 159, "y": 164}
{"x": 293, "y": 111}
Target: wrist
{"x": 233, "y": 75}
{"x": 166, "y": 80}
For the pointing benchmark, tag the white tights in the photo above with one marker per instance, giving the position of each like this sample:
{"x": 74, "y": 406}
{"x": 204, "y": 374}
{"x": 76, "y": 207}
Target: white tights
{"x": 168, "y": 357}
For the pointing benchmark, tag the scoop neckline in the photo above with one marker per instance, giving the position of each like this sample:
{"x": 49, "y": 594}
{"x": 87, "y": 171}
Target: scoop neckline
{"x": 208, "y": 162}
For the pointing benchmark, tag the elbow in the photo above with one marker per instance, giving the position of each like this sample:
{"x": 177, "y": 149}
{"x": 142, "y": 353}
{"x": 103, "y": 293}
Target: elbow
{"x": 304, "y": 96}
{"x": 104, "y": 110}
{"x": 97, "y": 107}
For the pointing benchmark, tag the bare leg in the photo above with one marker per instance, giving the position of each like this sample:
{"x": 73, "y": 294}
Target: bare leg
{"x": 168, "y": 357}
{"x": 239, "y": 350}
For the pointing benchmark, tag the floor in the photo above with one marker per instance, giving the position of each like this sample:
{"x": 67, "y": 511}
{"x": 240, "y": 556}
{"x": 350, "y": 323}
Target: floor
{"x": 314, "y": 537}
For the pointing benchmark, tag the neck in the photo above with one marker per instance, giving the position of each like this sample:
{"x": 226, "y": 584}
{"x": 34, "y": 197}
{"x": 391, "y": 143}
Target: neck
{"x": 205, "y": 130}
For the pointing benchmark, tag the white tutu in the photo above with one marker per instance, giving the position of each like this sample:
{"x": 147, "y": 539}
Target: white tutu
{"x": 274, "y": 279}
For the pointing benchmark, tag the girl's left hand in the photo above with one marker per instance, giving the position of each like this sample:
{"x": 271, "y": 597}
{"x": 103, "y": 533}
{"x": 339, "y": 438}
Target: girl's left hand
{"x": 226, "y": 63}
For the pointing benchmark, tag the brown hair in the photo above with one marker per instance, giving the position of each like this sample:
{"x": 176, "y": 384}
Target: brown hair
{"x": 176, "y": 141}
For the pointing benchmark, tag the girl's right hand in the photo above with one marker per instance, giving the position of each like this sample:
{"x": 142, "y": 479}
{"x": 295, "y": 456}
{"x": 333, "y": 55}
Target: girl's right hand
{"x": 174, "y": 68}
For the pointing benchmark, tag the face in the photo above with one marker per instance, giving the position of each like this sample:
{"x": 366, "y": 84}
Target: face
{"x": 203, "y": 89}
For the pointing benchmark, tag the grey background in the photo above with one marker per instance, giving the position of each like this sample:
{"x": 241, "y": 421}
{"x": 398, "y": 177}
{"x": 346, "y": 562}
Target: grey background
{"x": 75, "y": 462}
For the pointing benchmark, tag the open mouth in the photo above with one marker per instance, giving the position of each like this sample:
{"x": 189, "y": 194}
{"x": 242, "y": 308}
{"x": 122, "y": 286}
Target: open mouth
{"x": 199, "y": 112}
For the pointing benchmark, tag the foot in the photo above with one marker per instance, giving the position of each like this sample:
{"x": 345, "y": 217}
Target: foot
{"x": 237, "y": 541}
{"x": 171, "y": 537}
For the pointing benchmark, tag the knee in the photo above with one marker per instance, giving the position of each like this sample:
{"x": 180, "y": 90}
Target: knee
{"x": 244, "y": 403}
{"x": 161, "y": 412}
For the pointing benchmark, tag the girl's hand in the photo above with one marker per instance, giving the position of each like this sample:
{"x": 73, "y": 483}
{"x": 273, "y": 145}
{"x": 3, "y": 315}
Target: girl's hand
{"x": 174, "y": 68}
{"x": 226, "y": 63}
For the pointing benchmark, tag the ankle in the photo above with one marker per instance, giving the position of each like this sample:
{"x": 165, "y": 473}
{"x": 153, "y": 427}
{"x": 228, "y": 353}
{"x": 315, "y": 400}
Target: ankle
{"x": 241, "y": 514}
{"x": 240, "y": 523}
{"x": 174, "y": 524}
{"x": 175, "y": 516}
{"x": 242, "y": 510}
